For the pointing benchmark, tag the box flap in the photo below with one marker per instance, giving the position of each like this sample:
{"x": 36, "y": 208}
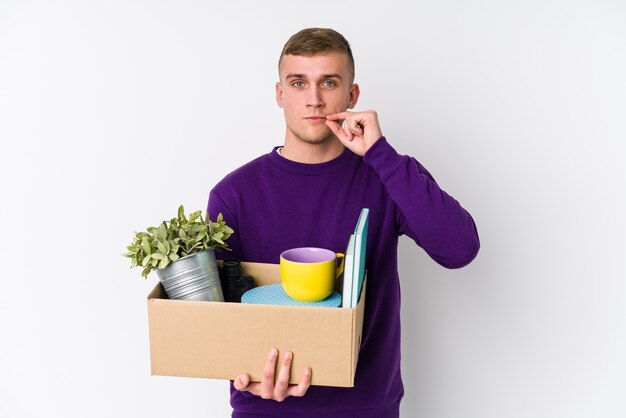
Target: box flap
{"x": 158, "y": 292}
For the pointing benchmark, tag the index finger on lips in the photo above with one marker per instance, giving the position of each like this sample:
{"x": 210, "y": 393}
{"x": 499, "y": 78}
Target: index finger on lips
{"x": 341, "y": 115}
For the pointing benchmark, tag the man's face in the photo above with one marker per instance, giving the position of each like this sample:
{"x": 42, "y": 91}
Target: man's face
{"x": 311, "y": 88}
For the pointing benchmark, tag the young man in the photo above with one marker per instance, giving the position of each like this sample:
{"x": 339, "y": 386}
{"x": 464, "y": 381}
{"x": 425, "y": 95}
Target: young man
{"x": 309, "y": 192}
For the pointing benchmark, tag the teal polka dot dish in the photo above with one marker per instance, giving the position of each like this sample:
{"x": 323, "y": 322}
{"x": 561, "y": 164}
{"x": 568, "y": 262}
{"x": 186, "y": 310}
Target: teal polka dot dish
{"x": 274, "y": 294}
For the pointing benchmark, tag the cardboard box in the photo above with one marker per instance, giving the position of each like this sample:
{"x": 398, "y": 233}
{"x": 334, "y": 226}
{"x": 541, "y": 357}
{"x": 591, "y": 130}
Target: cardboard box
{"x": 223, "y": 340}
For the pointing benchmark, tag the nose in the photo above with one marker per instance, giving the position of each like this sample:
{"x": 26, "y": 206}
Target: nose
{"x": 314, "y": 98}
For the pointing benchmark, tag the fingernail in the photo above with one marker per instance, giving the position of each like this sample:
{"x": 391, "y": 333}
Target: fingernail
{"x": 307, "y": 372}
{"x": 274, "y": 352}
{"x": 288, "y": 355}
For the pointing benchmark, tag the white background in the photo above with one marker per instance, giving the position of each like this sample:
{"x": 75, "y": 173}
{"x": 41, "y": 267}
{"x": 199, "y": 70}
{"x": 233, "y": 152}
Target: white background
{"x": 112, "y": 113}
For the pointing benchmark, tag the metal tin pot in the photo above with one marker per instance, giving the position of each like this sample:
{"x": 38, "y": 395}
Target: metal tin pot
{"x": 193, "y": 277}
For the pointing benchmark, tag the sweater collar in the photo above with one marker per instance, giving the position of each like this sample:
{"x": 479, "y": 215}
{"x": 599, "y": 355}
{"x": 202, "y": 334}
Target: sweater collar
{"x": 310, "y": 169}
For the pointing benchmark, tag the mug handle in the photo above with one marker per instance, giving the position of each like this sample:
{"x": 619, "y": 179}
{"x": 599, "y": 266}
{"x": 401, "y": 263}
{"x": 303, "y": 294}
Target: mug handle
{"x": 340, "y": 268}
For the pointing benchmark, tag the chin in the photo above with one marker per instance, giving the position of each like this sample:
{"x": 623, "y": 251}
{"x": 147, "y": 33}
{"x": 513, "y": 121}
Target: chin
{"x": 314, "y": 141}
{"x": 317, "y": 139}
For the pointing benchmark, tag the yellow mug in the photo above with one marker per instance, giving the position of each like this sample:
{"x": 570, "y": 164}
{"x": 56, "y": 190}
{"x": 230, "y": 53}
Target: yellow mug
{"x": 308, "y": 274}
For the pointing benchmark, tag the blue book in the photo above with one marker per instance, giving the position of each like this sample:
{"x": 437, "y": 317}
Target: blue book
{"x": 348, "y": 273}
{"x": 360, "y": 244}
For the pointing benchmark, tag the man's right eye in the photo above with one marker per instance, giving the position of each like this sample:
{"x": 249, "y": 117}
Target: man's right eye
{"x": 297, "y": 84}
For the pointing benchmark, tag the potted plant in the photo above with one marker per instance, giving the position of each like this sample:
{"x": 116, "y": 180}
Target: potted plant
{"x": 182, "y": 252}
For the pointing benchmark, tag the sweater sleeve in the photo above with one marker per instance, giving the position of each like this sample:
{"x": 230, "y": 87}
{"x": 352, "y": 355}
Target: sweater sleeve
{"x": 215, "y": 206}
{"x": 424, "y": 212}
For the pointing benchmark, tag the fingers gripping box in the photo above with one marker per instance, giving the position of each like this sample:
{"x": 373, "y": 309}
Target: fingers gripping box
{"x": 223, "y": 340}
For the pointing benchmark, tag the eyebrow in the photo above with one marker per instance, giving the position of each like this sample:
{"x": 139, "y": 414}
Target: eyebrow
{"x": 295, "y": 75}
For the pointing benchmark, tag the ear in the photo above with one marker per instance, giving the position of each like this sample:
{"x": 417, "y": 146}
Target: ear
{"x": 354, "y": 96}
{"x": 279, "y": 94}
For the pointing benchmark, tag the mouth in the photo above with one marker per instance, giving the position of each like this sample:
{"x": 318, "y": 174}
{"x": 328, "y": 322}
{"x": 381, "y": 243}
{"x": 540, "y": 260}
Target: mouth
{"x": 315, "y": 118}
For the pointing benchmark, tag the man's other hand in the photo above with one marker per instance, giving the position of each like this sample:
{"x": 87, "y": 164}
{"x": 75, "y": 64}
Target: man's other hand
{"x": 280, "y": 389}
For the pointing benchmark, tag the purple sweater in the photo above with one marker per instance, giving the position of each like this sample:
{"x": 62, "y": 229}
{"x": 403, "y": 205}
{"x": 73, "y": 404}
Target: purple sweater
{"x": 274, "y": 204}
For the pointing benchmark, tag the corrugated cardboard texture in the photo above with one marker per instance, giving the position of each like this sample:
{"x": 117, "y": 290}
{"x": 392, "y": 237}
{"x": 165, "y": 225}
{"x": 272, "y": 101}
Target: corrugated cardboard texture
{"x": 223, "y": 340}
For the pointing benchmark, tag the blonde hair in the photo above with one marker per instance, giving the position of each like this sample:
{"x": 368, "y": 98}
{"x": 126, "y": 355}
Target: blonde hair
{"x": 312, "y": 41}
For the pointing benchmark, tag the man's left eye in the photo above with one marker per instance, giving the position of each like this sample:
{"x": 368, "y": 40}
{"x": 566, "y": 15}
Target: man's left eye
{"x": 329, "y": 83}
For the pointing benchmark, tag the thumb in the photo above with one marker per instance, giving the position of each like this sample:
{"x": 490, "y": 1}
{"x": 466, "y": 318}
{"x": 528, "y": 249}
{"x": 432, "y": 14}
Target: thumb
{"x": 242, "y": 382}
{"x": 337, "y": 130}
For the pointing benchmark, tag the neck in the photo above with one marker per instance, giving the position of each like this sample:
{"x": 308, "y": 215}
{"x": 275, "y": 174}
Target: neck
{"x": 304, "y": 152}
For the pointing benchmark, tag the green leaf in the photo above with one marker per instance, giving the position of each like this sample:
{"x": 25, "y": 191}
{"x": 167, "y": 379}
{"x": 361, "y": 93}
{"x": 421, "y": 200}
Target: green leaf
{"x": 146, "y": 271}
{"x": 153, "y": 263}
{"x": 181, "y": 212}
{"x": 158, "y": 256}
{"x": 145, "y": 261}
{"x": 194, "y": 216}
{"x": 162, "y": 248}
{"x": 162, "y": 233}
{"x": 195, "y": 228}
{"x": 174, "y": 257}
{"x": 164, "y": 263}
{"x": 146, "y": 245}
